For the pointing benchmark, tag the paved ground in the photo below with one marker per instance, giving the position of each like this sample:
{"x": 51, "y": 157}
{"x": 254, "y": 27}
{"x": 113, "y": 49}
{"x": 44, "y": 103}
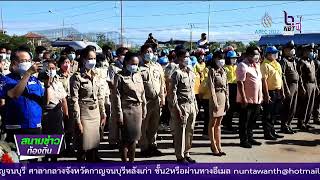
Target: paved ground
{"x": 300, "y": 147}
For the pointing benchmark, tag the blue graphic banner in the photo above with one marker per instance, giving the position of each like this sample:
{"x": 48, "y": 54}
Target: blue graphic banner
{"x": 140, "y": 171}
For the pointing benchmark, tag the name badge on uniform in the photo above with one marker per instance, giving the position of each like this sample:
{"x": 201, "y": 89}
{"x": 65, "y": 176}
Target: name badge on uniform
{"x": 32, "y": 82}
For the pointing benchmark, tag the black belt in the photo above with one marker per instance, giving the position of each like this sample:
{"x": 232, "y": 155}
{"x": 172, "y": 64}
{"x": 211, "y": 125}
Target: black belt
{"x": 92, "y": 107}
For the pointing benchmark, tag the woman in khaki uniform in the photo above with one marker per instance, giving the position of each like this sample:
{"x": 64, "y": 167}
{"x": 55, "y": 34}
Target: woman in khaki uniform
{"x": 130, "y": 105}
{"x": 88, "y": 106}
{"x": 218, "y": 103}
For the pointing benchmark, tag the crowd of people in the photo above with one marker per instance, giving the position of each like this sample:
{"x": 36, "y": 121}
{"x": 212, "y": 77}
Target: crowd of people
{"x": 83, "y": 93}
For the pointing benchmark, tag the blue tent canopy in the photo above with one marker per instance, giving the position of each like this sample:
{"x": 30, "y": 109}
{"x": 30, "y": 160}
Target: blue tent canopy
{"x": 299, "y": 39}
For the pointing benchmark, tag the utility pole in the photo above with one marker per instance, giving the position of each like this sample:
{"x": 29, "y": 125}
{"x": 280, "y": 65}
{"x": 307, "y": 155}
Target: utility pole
{"x": 121, "y": 35}
{"x": 191, "y": 26}
{"x": 62, "y": 27}
{"x": 209, "y": 22}
{"x": 2, "y": 23}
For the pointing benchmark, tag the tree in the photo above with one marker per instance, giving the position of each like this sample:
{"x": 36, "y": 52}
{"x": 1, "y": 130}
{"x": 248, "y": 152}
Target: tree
{"x": 12, "y": 42}
{"x": 253, "y": 43}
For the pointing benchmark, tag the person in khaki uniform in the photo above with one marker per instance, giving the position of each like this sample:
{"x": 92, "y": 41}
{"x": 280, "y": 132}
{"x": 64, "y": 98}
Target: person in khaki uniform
{"x": 307, "y": 86}
{"x": 71, "y": 54}
{"x": 64, "y": 75}
{"x": 185, "y": 107}
{"x": 114, "y": 69}
{"x": 154, "y": 85}
{"x": 102, "y": 69}
{"x": 290, "y": 84}
{"x": 88, "y": 106}
{"x": 130, "y": 105}
{"x": 56, "y": 108}
{"x": 218, "y": 102}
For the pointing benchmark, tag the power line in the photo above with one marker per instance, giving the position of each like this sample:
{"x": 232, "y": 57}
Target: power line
{"x": 64, "y": 10}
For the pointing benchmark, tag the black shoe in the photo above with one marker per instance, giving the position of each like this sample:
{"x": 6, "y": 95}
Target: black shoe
{"x": 217, "y": 154}
{"x": 269, "y": 136}
{"x": 245, "y": 145}
{"x": 303, "y": 128}
{"x": 223, "y": 153}
{"x": 182, "y": 161}
{"x": 146, "y": 153}
{"x": 277, "y": 135}
{"x": 254, "y": 142}
{"x": 286, "y": 130}
{"x": 190, "y": 160}
{"x": 316, "y": 122}
{"x": 293, "y": 131}
{"x": 309, "y": 127}
{"x": 156, "y": 152}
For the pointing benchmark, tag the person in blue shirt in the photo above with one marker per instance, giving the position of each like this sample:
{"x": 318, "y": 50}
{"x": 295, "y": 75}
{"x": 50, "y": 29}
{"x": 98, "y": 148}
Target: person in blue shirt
{"x": 23, "y": 96}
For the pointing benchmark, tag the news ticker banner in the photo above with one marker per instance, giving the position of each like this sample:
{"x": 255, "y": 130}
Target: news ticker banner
{"x": 140, "y": 171}
{"x": 35, "y": 146}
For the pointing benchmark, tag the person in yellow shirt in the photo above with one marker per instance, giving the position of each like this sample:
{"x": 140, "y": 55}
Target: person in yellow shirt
{"x": 199, "y": 70}
{"x": 230, "y": 68}
{"x": 273, "y": 92}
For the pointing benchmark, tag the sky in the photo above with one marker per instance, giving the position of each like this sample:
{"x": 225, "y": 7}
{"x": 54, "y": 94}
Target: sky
{"x": 229, "y": 20}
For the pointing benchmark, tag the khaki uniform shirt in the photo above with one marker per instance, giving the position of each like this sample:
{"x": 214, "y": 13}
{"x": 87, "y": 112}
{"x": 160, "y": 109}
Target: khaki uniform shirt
{"x": 86, "y": 91}
{"x": 153, "y": 80}
{"x": 56, "y": 93}
{"x": 182, "y": 83}
{"x": 128, "y": 89}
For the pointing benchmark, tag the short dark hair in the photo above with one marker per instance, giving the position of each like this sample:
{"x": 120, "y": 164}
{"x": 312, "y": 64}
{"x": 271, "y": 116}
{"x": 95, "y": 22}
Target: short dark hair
{"x": 39, "y": 49}
{"x": 3, "y": 47}
{"x": 129, "y": 56}
{"x": 22, "y": 48}
{"x": 145, "y": 47}
{"x": 85, "y": 52}
{"x": 91, "y": 47}
{"x": 106, "y": 48}
{"x": 51, "y": 61}
{"x": 120, "y": 50}
{"x": 61, "y": 60}
{"x": 99, "y": 58}
{"x": 250, "y": 50}
{"x": 181, "y": 52}
{"x": 69, "y": 49}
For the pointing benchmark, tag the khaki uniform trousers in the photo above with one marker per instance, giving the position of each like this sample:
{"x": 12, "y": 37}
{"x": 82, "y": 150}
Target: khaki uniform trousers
{"x": 183, "y": 129}
{"x": 150, "y": 125}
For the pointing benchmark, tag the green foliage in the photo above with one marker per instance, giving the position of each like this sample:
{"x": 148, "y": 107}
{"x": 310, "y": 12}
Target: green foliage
{"x": 102, "y": 40}
{"x": 12, "y": 42}
{"x": 253, "y": 43}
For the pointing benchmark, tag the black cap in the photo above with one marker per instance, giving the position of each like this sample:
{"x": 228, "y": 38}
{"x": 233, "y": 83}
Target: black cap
{"x": 289, "y": 44}
{"x": 203, "y": 34}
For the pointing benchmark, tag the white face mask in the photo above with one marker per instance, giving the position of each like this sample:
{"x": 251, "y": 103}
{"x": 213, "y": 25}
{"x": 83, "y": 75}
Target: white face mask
{"x": 148, "y": 57}
{"x": 292, "y": 52}
{"x": 90, "y": 64}
{"x": 23, "y": 67}
{"x": 233, "y": 61}
{"x": 8, "y": 56}
{"x": 186, "y": 61}
{"x": 52, "y": 73}
{"x": 274, "y": 56}
{"x": 132, "y": 68}
{"x": 221, "y": 62}
{"x": 71, "y": 57}
{"x": 41, "y": 55}
{"x": 3, "y": 56}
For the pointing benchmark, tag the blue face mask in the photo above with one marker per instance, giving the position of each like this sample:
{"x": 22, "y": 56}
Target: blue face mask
{"x": 311, "y": 56}
{"x": 132, "y": 68}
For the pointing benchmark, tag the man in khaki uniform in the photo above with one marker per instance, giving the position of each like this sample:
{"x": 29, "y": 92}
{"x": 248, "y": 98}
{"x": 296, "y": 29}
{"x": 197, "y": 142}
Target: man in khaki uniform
{"x": 307, "y": 86}
{"x": 185, "y": 107}
{"x": 154, "y": 85}
{"x": 114, "y": 69}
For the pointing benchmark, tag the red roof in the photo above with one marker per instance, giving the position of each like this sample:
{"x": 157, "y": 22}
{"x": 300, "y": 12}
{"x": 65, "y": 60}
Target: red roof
{"x": 32, "y": 35}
